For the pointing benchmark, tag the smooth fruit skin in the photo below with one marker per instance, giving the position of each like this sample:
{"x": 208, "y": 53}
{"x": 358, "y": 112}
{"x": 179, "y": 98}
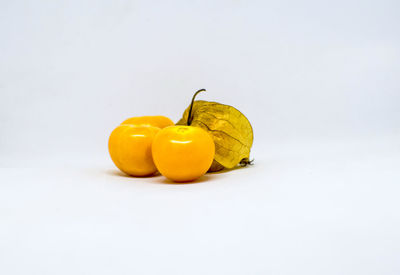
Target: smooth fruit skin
{"x": 157, "y": 121}
{"x": 130, "y": 149}
{"x": 183, "y": 153}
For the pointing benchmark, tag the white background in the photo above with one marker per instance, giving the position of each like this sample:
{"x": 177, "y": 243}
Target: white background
{"x": 319, "y": 81}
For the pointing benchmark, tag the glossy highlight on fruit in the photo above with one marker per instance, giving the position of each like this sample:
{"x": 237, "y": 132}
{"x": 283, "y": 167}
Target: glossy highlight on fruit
{"x": 156, "y": 121}
{"x": 183, "y": 153}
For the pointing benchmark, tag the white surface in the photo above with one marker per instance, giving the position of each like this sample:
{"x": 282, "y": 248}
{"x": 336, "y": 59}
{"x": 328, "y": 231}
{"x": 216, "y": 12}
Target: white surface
{"x": 318, "y": 81}
{"x": 330, "y": 208}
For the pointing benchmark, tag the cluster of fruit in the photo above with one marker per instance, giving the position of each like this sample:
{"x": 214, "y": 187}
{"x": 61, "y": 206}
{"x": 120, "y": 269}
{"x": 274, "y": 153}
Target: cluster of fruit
{"x": 210, "y": 136}
{"x": 141, "y": 146}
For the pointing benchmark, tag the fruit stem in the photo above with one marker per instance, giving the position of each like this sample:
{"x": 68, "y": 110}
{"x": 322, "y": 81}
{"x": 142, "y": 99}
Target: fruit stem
{"x": 190, "y": 118}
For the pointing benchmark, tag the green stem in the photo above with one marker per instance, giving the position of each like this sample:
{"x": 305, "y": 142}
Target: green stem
{"x": 190, "y": 118}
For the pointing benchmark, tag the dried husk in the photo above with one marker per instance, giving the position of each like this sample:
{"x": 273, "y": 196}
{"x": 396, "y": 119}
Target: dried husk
{"x": 230, "y": 129}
